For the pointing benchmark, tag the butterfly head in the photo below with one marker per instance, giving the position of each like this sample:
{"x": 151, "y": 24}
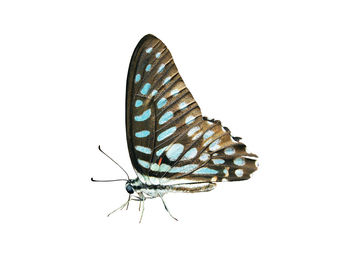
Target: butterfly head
{"x": 129, "y": 187}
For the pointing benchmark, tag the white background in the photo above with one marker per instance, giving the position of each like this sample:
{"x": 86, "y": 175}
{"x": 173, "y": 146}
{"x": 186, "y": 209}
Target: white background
{"x": 275, "y": 72}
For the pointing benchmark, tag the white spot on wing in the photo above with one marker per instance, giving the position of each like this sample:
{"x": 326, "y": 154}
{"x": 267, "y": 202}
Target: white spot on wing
{"x": 239, "y": 172}
{"x": 154, "y": 167}
{"x": 229, "y": 151}
{"x": 204, "y": 157}
{"x": 182, "y": 105}
{"x": 197, "y": 136}
{"x": 215, "y": 145}
{"x": 189, "y": 119}
{"x": 193, "y": 131}
{"x": 239, "y": 162}
{"x": 208, "y": 134}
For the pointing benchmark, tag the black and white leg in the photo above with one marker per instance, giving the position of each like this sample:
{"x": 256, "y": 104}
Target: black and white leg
{"x": 143, "y": 209}
{"x": 166, "y": 208}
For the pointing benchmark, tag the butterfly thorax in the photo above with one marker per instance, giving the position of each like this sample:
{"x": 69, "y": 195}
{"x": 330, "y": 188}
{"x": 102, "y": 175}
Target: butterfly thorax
{"x": 146, "y": 191}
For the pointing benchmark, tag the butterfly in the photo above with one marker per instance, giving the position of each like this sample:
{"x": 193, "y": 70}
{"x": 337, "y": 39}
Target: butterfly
{"x": 172, "y": 147}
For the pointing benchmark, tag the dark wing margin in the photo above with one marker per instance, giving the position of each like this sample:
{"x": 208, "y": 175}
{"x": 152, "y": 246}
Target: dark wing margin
{"x": 130, "y": 93}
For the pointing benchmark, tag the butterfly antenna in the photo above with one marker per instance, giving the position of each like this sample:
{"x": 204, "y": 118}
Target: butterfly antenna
{"x": 114, "y": 180}
{"x": 99, "y": 147}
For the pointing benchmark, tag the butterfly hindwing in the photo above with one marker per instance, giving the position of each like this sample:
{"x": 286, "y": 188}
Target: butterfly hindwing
{"x": 167, "y": 136}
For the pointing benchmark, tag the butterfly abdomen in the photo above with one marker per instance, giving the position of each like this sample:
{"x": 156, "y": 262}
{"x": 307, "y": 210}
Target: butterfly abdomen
{"x": 192, "y": 187}
{"x": 155, "y": 190}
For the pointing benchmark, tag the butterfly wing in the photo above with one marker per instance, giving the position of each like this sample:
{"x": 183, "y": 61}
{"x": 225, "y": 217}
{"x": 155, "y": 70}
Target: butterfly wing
{"x": 168, "y": 139}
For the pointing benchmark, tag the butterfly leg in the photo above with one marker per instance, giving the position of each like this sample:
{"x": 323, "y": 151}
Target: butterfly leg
{"x": 121, "y": 207}
{"x": 166, "y": 208}
{"x": 143, "y": 209}
{"x": 127, "y": 206}
{"x": 139, "y": 199}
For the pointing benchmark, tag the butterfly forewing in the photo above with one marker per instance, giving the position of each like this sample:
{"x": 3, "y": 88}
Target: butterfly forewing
{"x": 167, "y": 136}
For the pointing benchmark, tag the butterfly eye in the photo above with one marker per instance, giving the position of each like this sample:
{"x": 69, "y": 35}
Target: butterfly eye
{"x": 129, "y": 189}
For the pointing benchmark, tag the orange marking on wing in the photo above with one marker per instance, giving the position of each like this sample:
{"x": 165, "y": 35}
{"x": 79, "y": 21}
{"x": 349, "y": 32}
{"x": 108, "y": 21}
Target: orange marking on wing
{"x": 160, "y": 160}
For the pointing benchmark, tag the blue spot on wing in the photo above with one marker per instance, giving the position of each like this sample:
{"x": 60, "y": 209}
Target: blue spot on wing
{"x": 166, "y": 80}
{"x": 148, "y": 68}
{"x": 166, "y": 116}
{"x": 137, "y": 78}
{"x": 165, "y": 134}
{"x": 138, "y": 103}
{"x": 239, "y": 172}
{"x": 190, "y": 154}
{"x": 160, "y": 151}
{"x": 218, "y": 161}
{"x": 184, "y": 169}
{"x": 149, "y": 50}
{"x": 143, "y": 163}
{"x": 164, "y": 167}
{"x": 204, "y": 156}
{"x": 142, "y": 149}
{"x": 144, "y": 116}
{"x": 161, "y": 103}
{"x": 239, "y": 162}
{"x": 214, "y": 145}
{"x": 225, "y": 171}
{"x": 145, "y": 88}
{"x": 175, "y": 151}
{"x": 142, "y": 134}
{"x": 161, "y": 67}
{"x": 229, "y": 151}
{"x": 208, "y": 134}
{"x": 205, "y": 170}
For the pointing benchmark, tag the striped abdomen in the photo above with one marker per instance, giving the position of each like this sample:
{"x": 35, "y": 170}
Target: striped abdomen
{"x": 155, "y": 190}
